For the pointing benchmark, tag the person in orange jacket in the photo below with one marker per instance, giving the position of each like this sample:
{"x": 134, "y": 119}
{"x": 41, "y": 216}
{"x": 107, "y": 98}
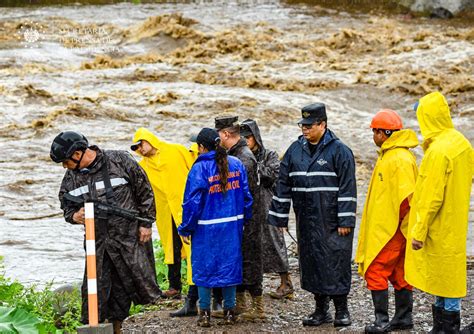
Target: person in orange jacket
{"x": 383, "y": 230}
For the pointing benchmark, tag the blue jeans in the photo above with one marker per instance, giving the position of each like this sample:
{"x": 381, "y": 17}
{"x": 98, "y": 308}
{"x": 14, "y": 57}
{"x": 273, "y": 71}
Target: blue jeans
{"x": 205, "y": 297}
{"x": 448, "y": 304}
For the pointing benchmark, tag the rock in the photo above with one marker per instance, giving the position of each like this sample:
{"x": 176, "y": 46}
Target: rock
{"x": 441, "y": 13}
{"x": 438, "y": 8}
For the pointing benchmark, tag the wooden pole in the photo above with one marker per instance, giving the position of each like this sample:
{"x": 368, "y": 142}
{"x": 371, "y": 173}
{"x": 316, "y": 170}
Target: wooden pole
{"x": 91, "y": 265}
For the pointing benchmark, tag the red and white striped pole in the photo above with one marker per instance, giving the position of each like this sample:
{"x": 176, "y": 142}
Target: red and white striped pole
{"x": 91, "y": 265}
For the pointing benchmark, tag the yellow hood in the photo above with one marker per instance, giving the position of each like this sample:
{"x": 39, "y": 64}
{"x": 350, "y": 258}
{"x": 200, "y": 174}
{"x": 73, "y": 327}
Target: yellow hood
{"x": 404, "y": 139}
{"x": 194, "y": 148}
{"x": 145, "y": 134}
{"x": 433, "y": 115}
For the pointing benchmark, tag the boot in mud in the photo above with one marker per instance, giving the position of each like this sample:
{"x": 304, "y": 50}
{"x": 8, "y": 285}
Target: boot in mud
{"x": 321, "y": 314}
{"x": 204, "y": 318}
{"x": 256, "y": 312}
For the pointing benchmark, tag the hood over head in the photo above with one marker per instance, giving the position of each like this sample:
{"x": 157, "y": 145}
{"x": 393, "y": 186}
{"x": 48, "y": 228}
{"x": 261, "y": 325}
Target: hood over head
{"x": 433, "y": 115}
{"x": 249, "y": 125}
{"x": 145, "y": 134}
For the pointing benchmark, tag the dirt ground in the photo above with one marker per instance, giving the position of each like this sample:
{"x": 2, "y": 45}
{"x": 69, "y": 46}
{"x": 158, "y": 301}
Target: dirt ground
{"x": 285, "y": 316}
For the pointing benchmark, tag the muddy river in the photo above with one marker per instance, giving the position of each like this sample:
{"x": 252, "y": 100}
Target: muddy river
{"x": 107, "y": 70}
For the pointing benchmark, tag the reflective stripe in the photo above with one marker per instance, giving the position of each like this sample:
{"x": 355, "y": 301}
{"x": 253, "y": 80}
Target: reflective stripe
{"x": 118, "y": 181}
{"x": 92, "y": 286}
{"x": 316, "y": 189}
{"x": 89, "y": 210}
{"x": 220, "y": 220}
{"x": 347, "y": 199}
{"x": 280, "y": 215}
{"x": 313, "y": 174}
{"x": 79, "y": 191}
{"x": 346, "y": 214}
{"x": 282, "y": 200}
{"x": 90, "y": 247}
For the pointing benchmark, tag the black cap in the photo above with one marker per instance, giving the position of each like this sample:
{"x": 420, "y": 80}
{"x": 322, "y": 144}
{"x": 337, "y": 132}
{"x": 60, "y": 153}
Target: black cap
{"x": 134, "y": 146}
{"x": 225, "y": 122}
{"x": 209, "y": 138}
{"x": 313, "y": 113}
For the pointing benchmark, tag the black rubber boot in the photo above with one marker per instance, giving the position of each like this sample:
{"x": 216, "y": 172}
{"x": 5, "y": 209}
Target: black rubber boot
{"x": 189, "y": 309}
{"x": 451, "y": 322}
{"x": 380, "y": 325}
{"x": 321, "y": 315}
{"x": 403, "y": 318}
{"x": 437, "y": 320}
{"x": 469, "y": 329}
{"x": 342, "y": 318}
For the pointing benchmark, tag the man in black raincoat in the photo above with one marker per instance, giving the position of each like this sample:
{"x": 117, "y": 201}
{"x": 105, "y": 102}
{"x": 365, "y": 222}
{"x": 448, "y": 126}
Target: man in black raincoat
{"x": 229, "y": 133}
{"x": 124, "y": 251}
{"x": 274, "y": 254}
{"x": 317, "y": 174}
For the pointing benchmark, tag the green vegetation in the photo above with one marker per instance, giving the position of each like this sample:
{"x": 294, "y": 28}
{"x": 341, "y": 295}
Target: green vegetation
{"x": 28, "y": 310}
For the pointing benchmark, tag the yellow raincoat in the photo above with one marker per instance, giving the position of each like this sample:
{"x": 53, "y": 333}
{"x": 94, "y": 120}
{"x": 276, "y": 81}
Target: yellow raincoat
{"x": 393, "y": 180}
{"x": 193, "y": 149}
{"x": 440, "y": 206}
{"x": 167, "y": 171}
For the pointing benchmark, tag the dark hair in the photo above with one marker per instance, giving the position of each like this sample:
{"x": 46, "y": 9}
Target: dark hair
{"x": 209, "y": 138}
{"x": 233, "y": 130}
{"x": 222, "y": 166}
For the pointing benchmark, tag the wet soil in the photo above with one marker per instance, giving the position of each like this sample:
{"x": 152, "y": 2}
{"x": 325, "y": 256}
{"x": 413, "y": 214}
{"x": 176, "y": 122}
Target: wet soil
{"x": 285, "y": 316}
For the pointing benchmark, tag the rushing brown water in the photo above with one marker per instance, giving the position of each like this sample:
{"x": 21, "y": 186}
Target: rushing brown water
{"x": 107, "y": 70}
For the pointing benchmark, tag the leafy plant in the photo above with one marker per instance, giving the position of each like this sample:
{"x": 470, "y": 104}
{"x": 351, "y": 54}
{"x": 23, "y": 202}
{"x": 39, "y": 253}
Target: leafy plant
{"x": 162, "y": 268}
{"x": 16, "y": 320}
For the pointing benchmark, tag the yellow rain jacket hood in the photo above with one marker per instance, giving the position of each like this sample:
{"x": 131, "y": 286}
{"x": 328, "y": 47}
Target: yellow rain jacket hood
{"x": 440, "y": 205}
{"x": 167, "y": 171}
{"x": 393, "y": 180}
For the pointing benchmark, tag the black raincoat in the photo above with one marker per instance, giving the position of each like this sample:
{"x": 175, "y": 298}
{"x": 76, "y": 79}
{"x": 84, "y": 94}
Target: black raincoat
{"x": 322, "y": 188}
{"x": 275, "y": 257}
{"x": 125, "y": 268}
{"x": 252, "y": 236}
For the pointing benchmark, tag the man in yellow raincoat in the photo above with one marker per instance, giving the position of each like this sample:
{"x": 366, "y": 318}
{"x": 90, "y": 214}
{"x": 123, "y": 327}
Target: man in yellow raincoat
{"x": 437, "y": 231}
{"x": 383, "y": 230}
{"x": 167, "y": 166}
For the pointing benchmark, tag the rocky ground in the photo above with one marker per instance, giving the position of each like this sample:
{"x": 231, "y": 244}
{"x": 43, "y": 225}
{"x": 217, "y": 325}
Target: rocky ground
{"x": 285, "y": 316}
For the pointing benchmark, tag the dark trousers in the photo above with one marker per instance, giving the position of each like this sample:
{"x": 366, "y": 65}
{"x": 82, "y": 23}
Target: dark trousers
{"x": 113, "y": 299}
{"x": 255, "y": 290}
{"x": 193, "y": 294}
{"x": 174, "y": 270}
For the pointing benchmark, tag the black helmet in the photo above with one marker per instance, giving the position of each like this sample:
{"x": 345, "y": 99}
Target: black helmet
{"x": 65, "y": 144}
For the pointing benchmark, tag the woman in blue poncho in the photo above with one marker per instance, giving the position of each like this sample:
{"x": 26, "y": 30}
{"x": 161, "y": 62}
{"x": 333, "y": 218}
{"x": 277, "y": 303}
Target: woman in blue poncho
{"x": 217, "y": 203}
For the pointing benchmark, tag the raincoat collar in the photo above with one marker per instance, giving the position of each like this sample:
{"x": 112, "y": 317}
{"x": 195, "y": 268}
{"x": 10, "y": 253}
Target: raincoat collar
{"x": 242, "y": 142}
{"x": 328, "y": 137}
{"x": 433, "y": 116}
{"x": 404, "y": 138}
{"x": 206, "y": 156}
{"x": 145, "y": 134}
{"x": 96, "y": 165}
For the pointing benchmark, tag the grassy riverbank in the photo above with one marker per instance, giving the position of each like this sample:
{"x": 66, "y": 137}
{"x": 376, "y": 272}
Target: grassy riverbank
{"x": 25, "y": 309}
